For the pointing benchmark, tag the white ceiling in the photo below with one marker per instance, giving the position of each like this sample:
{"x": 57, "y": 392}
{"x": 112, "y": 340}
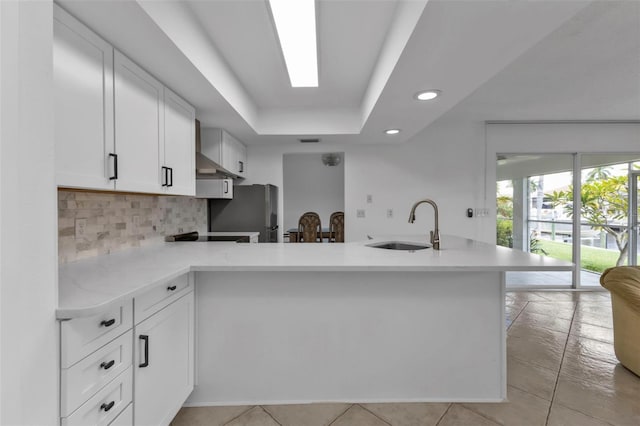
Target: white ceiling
{"x": 244, "y": 33}
{"x": 494, "y": 60}
{"x": 588, "y": 69}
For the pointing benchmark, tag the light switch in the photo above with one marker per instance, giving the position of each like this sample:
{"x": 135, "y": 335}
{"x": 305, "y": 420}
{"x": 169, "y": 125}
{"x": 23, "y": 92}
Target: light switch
{"x": 360, "y": 213}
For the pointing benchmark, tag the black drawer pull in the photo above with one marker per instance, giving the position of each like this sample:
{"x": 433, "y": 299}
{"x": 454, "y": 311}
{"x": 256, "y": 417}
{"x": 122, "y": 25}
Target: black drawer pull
{"x": 108, "y": 323}
{"x": 107, "y": 365}
{"x": 172, "y": 287}
{"x": 107, "y": 407}
{"x": 146, "y": 351}
{"x": 166, "y": 176}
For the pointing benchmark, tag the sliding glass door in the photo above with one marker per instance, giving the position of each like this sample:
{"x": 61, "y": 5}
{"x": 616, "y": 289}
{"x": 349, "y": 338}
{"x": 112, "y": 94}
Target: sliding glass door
{"x": 634, "y": 233}
{"x": 537, "y": 213}
{"x": 529, "y": 219}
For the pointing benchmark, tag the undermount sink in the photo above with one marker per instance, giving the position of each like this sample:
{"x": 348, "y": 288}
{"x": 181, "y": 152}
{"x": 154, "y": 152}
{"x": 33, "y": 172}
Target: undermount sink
{"x": 399, "y": 245}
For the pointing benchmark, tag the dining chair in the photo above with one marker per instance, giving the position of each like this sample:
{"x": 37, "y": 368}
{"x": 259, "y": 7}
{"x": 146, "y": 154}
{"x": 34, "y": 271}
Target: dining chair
{"x": 309, "y": 228}
{"x": 336, "y": 227}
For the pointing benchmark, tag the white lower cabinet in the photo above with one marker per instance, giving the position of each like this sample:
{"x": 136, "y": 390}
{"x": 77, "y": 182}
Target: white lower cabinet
{"x": 98, "y": 383}
{"x": 103, "y": 407}
{"x": 125, "y": 418}
{"x": 85, "y": 378}
{"x": 164, "y": 362}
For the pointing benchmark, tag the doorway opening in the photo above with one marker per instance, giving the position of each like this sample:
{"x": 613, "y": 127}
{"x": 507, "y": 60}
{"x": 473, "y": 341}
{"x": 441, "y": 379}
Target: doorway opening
{"x": 312, "y": 182}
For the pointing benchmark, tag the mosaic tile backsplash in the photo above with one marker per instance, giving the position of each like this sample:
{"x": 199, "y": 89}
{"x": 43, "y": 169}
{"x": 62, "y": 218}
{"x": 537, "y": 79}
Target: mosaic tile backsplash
{"x": 119, "y": 221}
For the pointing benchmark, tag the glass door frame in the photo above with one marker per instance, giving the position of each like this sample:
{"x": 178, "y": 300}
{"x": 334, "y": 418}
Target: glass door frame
{"x": 634, "y": 176}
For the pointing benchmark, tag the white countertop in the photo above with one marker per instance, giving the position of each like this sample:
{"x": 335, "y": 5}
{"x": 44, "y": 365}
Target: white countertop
{"x": 88, "y": 286}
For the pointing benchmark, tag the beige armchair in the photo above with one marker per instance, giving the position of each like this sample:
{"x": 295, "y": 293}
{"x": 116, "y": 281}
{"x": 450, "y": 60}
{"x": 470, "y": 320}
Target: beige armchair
{"x": 624, "y": 284}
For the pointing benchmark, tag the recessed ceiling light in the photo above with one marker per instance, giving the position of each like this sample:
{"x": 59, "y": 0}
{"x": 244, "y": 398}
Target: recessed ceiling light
{"x": 295, "y": 22}
{"x": 392, "y": 131}
{"x": 427, "y": 95}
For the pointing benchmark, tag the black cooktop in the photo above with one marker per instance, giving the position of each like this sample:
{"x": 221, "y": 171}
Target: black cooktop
{"x": 194, "y": 236}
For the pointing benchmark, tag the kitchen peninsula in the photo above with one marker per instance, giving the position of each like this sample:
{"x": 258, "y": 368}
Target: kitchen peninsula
{"x": 285, "y": 323}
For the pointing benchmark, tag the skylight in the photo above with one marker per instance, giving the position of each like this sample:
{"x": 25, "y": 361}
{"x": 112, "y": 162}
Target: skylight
{"x": 295, "y": 22}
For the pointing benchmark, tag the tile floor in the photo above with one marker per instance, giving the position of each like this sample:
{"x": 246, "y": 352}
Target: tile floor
{"x": 561, "y": 371}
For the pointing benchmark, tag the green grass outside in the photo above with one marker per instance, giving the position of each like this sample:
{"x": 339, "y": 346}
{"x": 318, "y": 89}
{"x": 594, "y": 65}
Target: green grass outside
{"x": 593, "y": 258}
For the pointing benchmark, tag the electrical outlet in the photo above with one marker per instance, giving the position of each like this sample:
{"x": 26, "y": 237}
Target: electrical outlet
{"x": 369, "y": 198}
{"x": 389, "y": 213}
{"x": 360, "y": 213}
{"x": 81, "y": 227}
{"x": 136, "y": 221}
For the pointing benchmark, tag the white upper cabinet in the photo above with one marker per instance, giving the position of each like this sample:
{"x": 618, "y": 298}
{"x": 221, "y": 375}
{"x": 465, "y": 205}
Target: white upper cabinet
{"x": 116, "y": 126}
{"x": 83, "y": 105}
{"x": 224, "y": 149}
{"x": 179, "y": 153}
{"x": 235, "y": 156}
{"x": 139, "y": 129}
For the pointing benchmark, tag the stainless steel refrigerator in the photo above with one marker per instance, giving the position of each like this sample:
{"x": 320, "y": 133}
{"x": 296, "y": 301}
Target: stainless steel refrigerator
{"x": 253, "y": 208}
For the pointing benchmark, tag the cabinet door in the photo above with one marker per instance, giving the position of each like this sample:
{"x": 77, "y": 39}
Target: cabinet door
{"x": 179, "y": 144}
{"x": 234, "y": 155}
{"x": 83, "y": 104}
{"x": 164, "y": 360}
{"x": 139, "y": 127}
{"x": 242, "y": 159}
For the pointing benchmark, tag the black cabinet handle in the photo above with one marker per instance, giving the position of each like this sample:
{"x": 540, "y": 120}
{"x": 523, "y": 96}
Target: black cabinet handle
{"x": 166, "y": 176}
{"x": 106, "y": 407}
{"x": 115, "y": 166}
{"x": 107, "y": 365}
{"x": 172, "y": 287}
{"x": 108, "y": 323}
{"x": 146, "y": 350}
{"x": 171, "y": 173}
{"x": 226, "y": 186}
{"x": 241, "y": 166}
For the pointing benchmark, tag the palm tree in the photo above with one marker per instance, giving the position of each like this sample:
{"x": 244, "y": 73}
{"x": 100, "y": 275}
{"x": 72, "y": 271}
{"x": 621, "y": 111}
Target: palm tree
{"x": 599, "y": 173}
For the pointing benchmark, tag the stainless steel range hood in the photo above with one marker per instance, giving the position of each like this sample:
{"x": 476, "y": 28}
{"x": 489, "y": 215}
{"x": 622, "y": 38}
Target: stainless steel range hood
{"x": 205, "y": 167}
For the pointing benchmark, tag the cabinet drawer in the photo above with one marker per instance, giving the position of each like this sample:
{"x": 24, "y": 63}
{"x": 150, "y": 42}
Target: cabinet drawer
{"x": 157, "y": 298}
{"x": 104, "y": 406}
{"x": 82, "y": 380}
{"x": 82, "y": 336}
{"x": 125, "y": 418}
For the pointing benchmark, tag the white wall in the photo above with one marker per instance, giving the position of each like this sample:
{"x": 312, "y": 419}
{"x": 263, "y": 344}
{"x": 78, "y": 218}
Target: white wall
{"x": 28, "y": 259}
{"x": 578, "y": 137}
{"x": 452, "y": 161}
{"x": 309, "y": 185}
{"x": 440, "y": 163}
